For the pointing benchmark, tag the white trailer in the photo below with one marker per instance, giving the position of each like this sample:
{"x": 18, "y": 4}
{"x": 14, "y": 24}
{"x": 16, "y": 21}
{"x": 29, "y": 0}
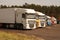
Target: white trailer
{"x": 42, "y": 18}
{"x": 19, "y": 18}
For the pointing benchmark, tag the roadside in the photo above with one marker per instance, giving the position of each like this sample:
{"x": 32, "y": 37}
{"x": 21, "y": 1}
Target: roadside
{"x": 47, "y": 33}
{"x": 16, "y": 36}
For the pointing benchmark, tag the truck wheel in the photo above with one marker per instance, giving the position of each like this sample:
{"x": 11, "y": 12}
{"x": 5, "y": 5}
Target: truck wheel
{"x": 11, "y": 26}
{"x": 18, "y": 26}
{"x": 21, "y": 26}
{"x": 7, "y": 26}
{"x": 1, "y": 25}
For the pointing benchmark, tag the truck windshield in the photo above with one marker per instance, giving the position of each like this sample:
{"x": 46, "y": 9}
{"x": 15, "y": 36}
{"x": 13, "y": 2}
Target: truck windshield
{"x": 42, "y": 17}
{"x": 31, "y": 16}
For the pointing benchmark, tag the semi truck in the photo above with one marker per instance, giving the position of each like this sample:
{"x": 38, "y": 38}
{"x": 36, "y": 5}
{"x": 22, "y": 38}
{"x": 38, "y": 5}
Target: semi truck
{"x": 20, "y": 18}
{"x": 42, "y": 19}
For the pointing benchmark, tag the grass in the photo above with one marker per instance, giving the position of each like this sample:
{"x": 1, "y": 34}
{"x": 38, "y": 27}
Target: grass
{"x": 16, "y": 36}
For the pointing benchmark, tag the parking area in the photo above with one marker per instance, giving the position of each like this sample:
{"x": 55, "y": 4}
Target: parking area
{"x": 47, "y": 33}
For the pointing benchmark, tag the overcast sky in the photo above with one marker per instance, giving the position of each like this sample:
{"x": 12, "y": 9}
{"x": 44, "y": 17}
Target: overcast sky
{"x": 39, "y": 2}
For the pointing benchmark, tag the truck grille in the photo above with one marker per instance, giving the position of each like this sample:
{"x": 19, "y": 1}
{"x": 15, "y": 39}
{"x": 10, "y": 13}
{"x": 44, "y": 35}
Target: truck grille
{"x": 42, "y": 24}
{"x": 31, "y": 25}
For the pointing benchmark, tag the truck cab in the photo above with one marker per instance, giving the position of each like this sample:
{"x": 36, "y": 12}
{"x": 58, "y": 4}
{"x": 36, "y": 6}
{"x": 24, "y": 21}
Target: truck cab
{"x": 42, "y": 18}
{"x": 27, "y": 18}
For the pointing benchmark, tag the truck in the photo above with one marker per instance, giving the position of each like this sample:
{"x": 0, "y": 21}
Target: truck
{"x": 48, "y": 21}
{"x": 42, "y": 19}
{"x": 19, "y": 18}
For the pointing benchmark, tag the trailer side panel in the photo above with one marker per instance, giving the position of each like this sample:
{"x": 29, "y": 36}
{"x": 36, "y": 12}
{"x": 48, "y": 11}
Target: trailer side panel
{"x": 7, "y": 15}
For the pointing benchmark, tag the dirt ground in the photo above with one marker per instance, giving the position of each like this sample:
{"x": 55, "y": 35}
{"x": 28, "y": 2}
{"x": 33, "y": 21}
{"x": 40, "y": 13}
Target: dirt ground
{"x": 47, "y": 33}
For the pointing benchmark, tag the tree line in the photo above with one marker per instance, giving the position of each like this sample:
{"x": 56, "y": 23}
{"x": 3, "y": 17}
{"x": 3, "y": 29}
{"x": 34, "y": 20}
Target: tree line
{"x": 48, "y": 10}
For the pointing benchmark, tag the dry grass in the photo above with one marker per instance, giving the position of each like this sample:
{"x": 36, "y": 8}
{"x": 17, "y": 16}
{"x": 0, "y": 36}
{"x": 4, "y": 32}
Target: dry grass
{"x": 18, "y": 36}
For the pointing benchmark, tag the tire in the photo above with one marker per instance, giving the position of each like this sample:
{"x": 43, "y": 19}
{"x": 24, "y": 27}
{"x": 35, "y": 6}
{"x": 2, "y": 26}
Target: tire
{"x": 7, "y": 26}
{"x": 11, "y": 26}
{"x": 1, "y": 25}
{"x": 20, "y": 26}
